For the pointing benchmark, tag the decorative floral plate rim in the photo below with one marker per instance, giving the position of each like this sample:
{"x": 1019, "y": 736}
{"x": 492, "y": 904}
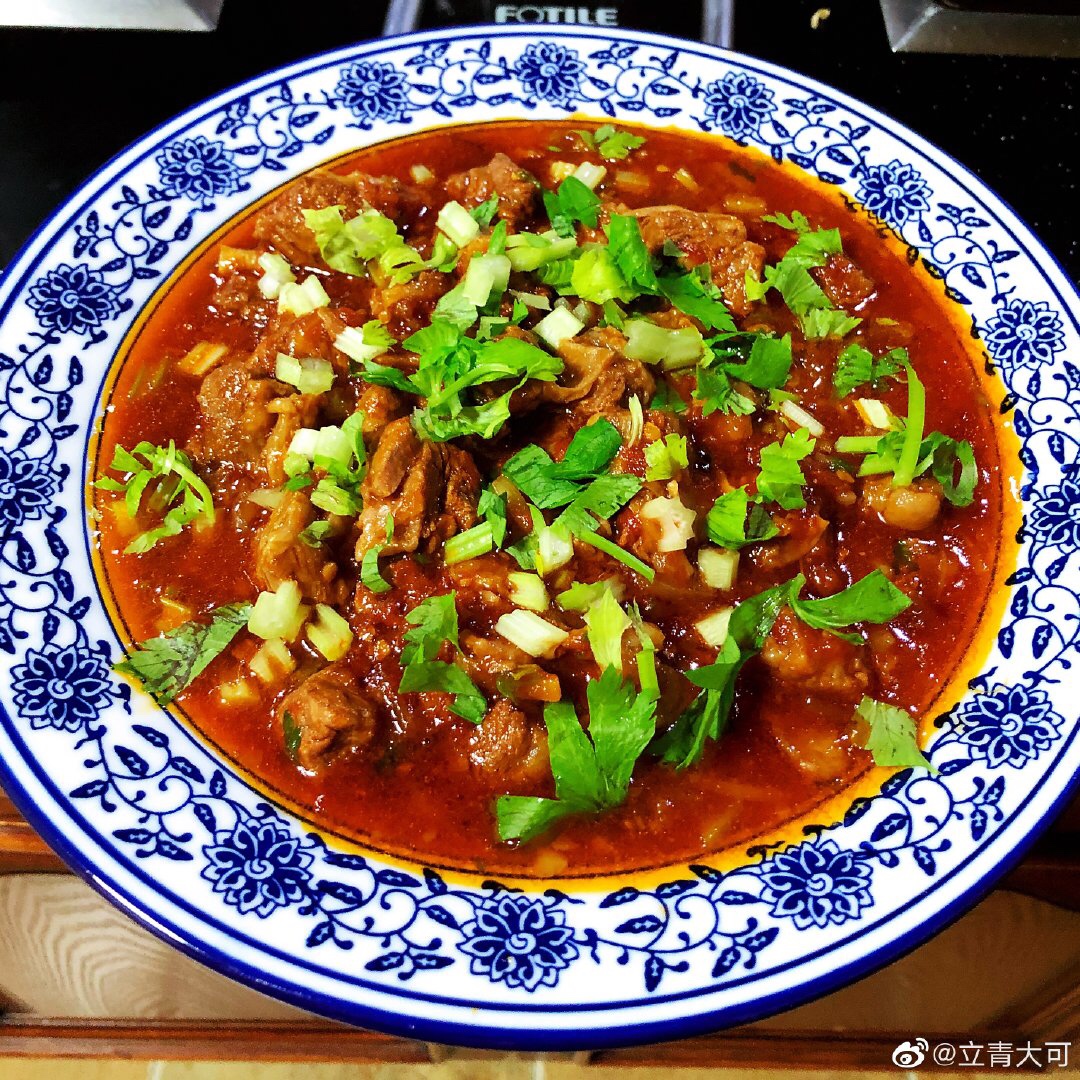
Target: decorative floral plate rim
{"x": 418, "y": 984}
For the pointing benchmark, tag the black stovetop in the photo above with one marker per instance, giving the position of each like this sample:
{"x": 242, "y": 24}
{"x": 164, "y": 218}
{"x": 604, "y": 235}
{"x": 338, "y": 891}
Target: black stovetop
{"x": 70, "y": 99}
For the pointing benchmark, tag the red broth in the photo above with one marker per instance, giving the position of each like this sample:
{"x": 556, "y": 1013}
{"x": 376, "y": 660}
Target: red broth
{"x": 792, "y": 746}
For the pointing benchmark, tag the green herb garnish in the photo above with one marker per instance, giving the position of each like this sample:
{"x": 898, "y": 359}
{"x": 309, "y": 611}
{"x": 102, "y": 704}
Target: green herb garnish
{"x": 781, "y": 478}
{"x": 894, "y": 737}
{"x": 167, "y": 664}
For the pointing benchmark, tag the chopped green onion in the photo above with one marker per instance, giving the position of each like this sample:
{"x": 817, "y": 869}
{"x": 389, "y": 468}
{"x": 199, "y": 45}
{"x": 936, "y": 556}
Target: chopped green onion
{"x": 331, "y": 496}
{"x": 530, "y": 633}
{"x": 672, "y": 349}
{"x": 718, "y": 567}
{"x": 275, "y": 273}
{"x": 608, "y": 547}
{"x": 278, "y": 614}
{"x": 528, "y": 591}
{"x": 470, "y": 544}
{"x": 458, "y": 224}
{"x": 330, "y": 633}
{"x": 857, "y": 444}
{"x": 309, "y": 375}
{"x": 801, "y": 418}
{"x": 558, "y": 327}
{"x": 913, "y": 432}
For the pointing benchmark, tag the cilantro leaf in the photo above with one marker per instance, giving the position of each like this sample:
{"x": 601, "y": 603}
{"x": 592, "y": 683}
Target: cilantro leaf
{"x": 590, "y": 452}
{"x": 707, "y": 716}
{"x": 665, "y": 457}
{"x": 735, "y": 520}
{"x": 828, "y": 322}
{"x": 370, "y": 576}
{"x": 491, "y": 507}
{"x": 699, "y": 298}
{"x": 433, "y": 622}
{"x": 873, "y": 598}
{"x": 717, "y": 394}
{"x": 167, "y": 664}
{"x": 469, "y": 703}
{"x": 591, "y": 771}
{"x": 781, "y": 479}
{"x": 768, "y": 365}
{"x": 791, "y": 275}
{"x": 667, "y": 398}
{"x": 631, "y": 255}
{"x": 484, "y": 214}
{"x": 573, "y": 202}
{"x": 604, "y": 497}
{"x": 856, "y": 366}
{"x": 615, "y": 145}
{"x": 894, "y": 737}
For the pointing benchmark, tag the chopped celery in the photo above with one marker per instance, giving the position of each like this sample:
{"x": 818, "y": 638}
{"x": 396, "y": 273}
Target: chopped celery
{"x": 558, "y": 327}
{"x": 275, "y": 273}
{"x": 637, "y": 420}
{"x": 330, "y": 633}
{"x": 554, "y": 548}
{"x": 273, "y": 661}
{"x": 672, "y": 349}
{"x": 478, "y": 540}
{"x": 278, "y": 614}
{"x": 486, "y": 275}
{"x": 301, "y": 299}
{"x": 665, "y": 457}
{"x": 607, "y": 622}
{"x": 528, "y": 591}
{"x": 718, "y": 566}
{"x": 458, "y": 224}
{"x": 676, "y": 522}
{"x": 589, "y": 174}
{"x": 530, "y": 633}
{"x": 801, "y": 418}
{"x": 366, "y": 343}
{"x": 714, "y": 628}
{"x": 309, "y": 375}
{"x": 529, "y": 251}
{"x": 580, "y": 596}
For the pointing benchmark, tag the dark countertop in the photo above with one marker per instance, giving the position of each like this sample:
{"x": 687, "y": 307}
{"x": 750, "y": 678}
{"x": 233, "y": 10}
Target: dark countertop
{"x": 69, "y": 100}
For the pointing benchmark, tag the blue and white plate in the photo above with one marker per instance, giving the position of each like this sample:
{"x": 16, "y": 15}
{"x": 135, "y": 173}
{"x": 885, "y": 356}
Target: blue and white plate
{"x": 145, "y": 811}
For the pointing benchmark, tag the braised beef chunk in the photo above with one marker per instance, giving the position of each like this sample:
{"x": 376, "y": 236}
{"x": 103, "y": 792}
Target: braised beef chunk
{"x": 431, "y": 489}
{"x": 235, "y": 418}
{"x": 330, "y": 715}
{"x": 407, "y": 307}
{"x": 843, "y": 282}
{"x": 597, "y": 377}
{"x": 716, "y": 239}
{"x": 281, "y": 224}
{"x": 510, "y": 746}
{"x": 293, "y": 413}
{"x": 280, "y": 554}
{"x": 516, "y": 189}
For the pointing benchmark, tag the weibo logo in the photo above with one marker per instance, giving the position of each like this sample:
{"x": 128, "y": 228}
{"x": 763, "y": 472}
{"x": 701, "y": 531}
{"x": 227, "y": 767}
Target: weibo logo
{"x": 910, "y": 1055}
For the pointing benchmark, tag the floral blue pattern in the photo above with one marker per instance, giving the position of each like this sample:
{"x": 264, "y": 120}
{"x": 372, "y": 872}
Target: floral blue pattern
{"x": 73, "y": 299}
{"x": 738, "y": 104}
{"x": 895, "y": 191}
{"x": 27, "y": 486}
{"x": 551, "y": 72}
{"x": 1054, "y": 518}
{"x": 1008, "y": 725}
{"x": 1024, "y": 333}
{"x": 817, "y": 884}
{"x": 165, "y": 800}
{"x": 520, "y": 940}
{"x": 198, "y": 169}
{"x": 63, "y": 688}
{"x": 371, "y": 91}
{"x": 259, "y": 866}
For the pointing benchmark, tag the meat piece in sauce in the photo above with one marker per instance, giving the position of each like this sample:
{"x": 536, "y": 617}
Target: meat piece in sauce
{"x": 235, "y": 415}
{"x": 517, "y": 190}
{"x": 716, "y": 239}
{"x": 281, "y": 224}
{"x": 293, "y": 413}
{"x": 331, "y": 715}
{"x": 597, "y": 377}
{"x": 509, "y": 746}
{"x": 406, "y": 307}
{"x": 843, "y": 282}
{"x": 280, "y": 554}
{"x": 430, "y": 488}
{"x": 380, "y": 405}
{"x": 814, "y": 659}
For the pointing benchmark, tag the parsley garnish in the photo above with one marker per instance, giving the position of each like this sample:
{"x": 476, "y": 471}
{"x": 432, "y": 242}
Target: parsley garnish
{"x": 433, "y": 622}
{"x": 873, "y": 598}
{"x": 694, "y": 294}
{"x": 484, "y": 214}
{"x": 549, "y": 483}
{"x": 179, "y": 488}
{"x": 167, "y": 664}
{"x": 781, "y": 478}
{"x": 592, "y": 771}
{"x": 894, "y": 737}
{"x": 667, "y": 398}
